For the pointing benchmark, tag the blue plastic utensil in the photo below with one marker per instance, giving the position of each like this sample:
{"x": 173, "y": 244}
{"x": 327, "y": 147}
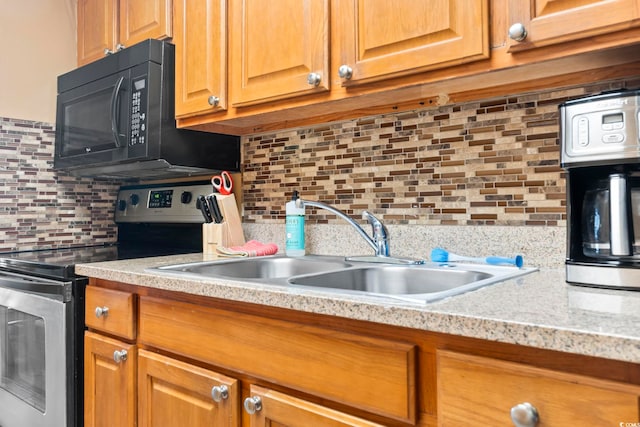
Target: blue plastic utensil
{"x": 442, "y": 255}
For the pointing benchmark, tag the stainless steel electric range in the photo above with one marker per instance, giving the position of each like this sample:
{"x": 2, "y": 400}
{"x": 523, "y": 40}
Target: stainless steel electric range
{"x": 42, "y": 302}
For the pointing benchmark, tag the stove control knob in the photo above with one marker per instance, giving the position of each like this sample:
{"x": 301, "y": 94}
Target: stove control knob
{"x": 186, "y": 197}
{"x": 122, "y": 205}
{"x": 135, "y": 199}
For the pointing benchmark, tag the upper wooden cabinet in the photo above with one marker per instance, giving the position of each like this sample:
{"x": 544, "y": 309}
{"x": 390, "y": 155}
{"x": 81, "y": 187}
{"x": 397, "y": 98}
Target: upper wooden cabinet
{"x": 545, "y": 22}
{"x": 376, "y": 39}
{"x": 200, "y": 37}
{"x": 281, "y": 49}
{"x": 97, "y": 29}
{"x": 108, "y": 25}
{"x": 278, "y": 49}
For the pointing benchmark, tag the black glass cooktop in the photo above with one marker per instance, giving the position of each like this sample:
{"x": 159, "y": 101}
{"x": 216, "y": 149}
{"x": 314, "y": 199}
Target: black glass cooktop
{"x": 60, "y": 263}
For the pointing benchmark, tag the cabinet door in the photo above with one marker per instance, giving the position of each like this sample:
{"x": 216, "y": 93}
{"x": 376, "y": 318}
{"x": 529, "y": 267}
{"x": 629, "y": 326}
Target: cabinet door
{"x": 97, "y": 29}
{"x": 378, "y": 39}
{"x": 173, "y": 393}
{"x": 200, "y": 37}
{"x": 109, "y": 382}
{"x": 268, "y": 408}
{"x": 277, "y": 48}
{"x": 554, "y": 21}
{"x": 144, "y": 19}
{"x": 483, "y": 391}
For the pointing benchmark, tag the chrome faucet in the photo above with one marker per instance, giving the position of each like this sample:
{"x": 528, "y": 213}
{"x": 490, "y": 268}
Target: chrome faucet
{"x": 379, "y": 242}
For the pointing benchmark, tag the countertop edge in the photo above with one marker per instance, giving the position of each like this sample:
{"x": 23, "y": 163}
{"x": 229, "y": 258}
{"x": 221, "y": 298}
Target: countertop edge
{"x": 458, "y": 315}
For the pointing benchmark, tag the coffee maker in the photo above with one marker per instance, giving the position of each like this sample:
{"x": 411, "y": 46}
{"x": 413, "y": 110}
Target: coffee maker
{"x": 600, "y": 150}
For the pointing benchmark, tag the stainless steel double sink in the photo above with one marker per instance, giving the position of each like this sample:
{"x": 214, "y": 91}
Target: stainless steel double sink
{"x": 416, "y": 283}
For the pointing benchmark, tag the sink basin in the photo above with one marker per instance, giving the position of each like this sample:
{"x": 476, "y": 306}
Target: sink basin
{"x": 415, "y": 283}
{"x": 260, "y": 268}
{"x": 393, "y": 280}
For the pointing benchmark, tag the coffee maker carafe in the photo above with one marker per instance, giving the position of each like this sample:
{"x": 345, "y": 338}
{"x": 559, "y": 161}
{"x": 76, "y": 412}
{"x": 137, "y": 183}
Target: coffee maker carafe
{"x": 601, "y": 153}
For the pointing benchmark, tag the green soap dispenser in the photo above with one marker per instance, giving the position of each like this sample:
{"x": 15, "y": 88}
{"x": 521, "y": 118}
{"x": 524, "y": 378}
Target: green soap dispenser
{"x": 294, "y": 228}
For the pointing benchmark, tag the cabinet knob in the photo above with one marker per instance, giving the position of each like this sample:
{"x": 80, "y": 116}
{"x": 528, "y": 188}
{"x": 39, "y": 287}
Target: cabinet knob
{"x": 101, "y": 312}
{"x": 517, "y": 32}
{"x": 252, "y": 405}
{"x": 214, "y": 101}
{"x": 119, "y": 356}
{"x": 118, "y": 48}
{"x": 220, "y": 393}
{"x": 524, "y": 415}
{"x": 345, "y": 72}
{"x": 314, "y": 79}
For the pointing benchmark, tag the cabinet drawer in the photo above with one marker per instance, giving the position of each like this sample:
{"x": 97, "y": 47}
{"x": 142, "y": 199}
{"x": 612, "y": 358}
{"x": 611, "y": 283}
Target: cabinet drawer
{"x": 483, "y": 391}
{"x": 110, "y": 311}
{"x": 371, "y": 374}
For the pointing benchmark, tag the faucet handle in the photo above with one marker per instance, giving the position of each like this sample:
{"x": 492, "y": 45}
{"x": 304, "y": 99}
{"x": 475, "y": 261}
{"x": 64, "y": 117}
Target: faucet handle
{"x": 380, "y": 234}
{"x": 379, "y": 230}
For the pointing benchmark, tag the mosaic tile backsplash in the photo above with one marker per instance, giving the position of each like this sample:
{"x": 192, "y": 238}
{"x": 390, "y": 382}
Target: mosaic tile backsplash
{"x": 41, "y": 208}
{"x": 495, "y": 162}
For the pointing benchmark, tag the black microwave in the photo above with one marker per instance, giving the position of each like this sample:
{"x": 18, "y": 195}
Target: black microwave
{"x": 115, "y": 118}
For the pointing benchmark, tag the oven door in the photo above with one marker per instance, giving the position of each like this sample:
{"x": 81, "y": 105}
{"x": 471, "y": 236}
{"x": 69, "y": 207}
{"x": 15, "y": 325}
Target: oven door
{"x": 33, "y": 357}
{"x": 92, "y": 122}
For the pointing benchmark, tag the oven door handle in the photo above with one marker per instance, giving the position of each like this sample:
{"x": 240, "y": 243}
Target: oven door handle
{"x": 62, "y": 291}
{"x": 115, "y": 97}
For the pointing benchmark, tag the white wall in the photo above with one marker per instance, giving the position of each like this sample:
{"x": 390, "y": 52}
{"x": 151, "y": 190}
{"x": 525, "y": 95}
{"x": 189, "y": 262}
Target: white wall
{"x": 38, "y": 44}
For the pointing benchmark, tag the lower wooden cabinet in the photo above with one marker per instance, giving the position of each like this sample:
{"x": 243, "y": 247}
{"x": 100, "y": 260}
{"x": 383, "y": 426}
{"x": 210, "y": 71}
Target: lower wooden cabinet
{"x": 174, "y": 393}
{"x": 109, "y": 382}
{"x": 199, "y": 363}
{"x": 475, "y": 390}
{"x": 267, "y": 408}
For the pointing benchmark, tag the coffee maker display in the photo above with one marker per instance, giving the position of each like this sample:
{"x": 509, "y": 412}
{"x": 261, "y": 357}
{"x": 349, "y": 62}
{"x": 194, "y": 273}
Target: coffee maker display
{"x": 600, "y": 149}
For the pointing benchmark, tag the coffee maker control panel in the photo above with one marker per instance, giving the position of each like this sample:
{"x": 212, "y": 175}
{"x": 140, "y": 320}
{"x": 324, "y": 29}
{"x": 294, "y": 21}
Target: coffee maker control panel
{"x": 600, "y": 129}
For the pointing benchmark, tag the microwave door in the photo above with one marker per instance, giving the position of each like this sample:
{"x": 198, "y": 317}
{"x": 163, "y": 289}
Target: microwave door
{"x": 93, "y": 118}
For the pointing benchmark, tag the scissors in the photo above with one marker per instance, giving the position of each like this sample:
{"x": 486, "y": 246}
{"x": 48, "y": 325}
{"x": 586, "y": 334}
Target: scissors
{"x": 222, "y": 183}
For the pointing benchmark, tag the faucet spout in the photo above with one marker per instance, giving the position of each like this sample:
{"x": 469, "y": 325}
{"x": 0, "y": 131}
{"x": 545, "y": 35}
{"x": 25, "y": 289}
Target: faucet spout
{"x": 379, "y": 242}
{"x": 302, "y": 203}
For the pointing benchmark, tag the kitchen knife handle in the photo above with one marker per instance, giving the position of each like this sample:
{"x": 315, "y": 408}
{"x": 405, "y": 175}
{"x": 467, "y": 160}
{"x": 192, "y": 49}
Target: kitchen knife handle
{"x": 215, "y": 209}
{"x": 201, "y": 204}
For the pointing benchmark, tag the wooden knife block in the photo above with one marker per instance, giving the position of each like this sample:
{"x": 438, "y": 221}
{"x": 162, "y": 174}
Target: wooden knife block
{"x": 226, "y": 234}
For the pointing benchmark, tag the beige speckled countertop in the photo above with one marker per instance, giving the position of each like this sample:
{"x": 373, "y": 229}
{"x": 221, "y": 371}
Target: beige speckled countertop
{"x": 538, "y": 309}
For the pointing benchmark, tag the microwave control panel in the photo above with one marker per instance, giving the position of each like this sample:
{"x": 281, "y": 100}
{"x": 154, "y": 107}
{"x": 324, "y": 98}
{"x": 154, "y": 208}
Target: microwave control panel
{"x": 138, "y": 112}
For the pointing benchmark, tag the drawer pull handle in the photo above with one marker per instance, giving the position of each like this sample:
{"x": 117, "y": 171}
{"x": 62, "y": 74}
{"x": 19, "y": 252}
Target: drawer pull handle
{"x": 119, "y": 356}
{"x": 524, "y": 415}
{"x": 214, "y": 101}
{"x": 517, "y": 32}
{"x": 314, "y": 79}
{"x": 252, "y": 405}
{"x": 101, "y": 312}
{"x": 220, "y": 393}
{"x": 345, "y": 72}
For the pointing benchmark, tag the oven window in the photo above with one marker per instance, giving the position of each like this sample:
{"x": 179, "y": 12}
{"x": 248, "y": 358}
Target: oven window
{"x": 22, "y": 353}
